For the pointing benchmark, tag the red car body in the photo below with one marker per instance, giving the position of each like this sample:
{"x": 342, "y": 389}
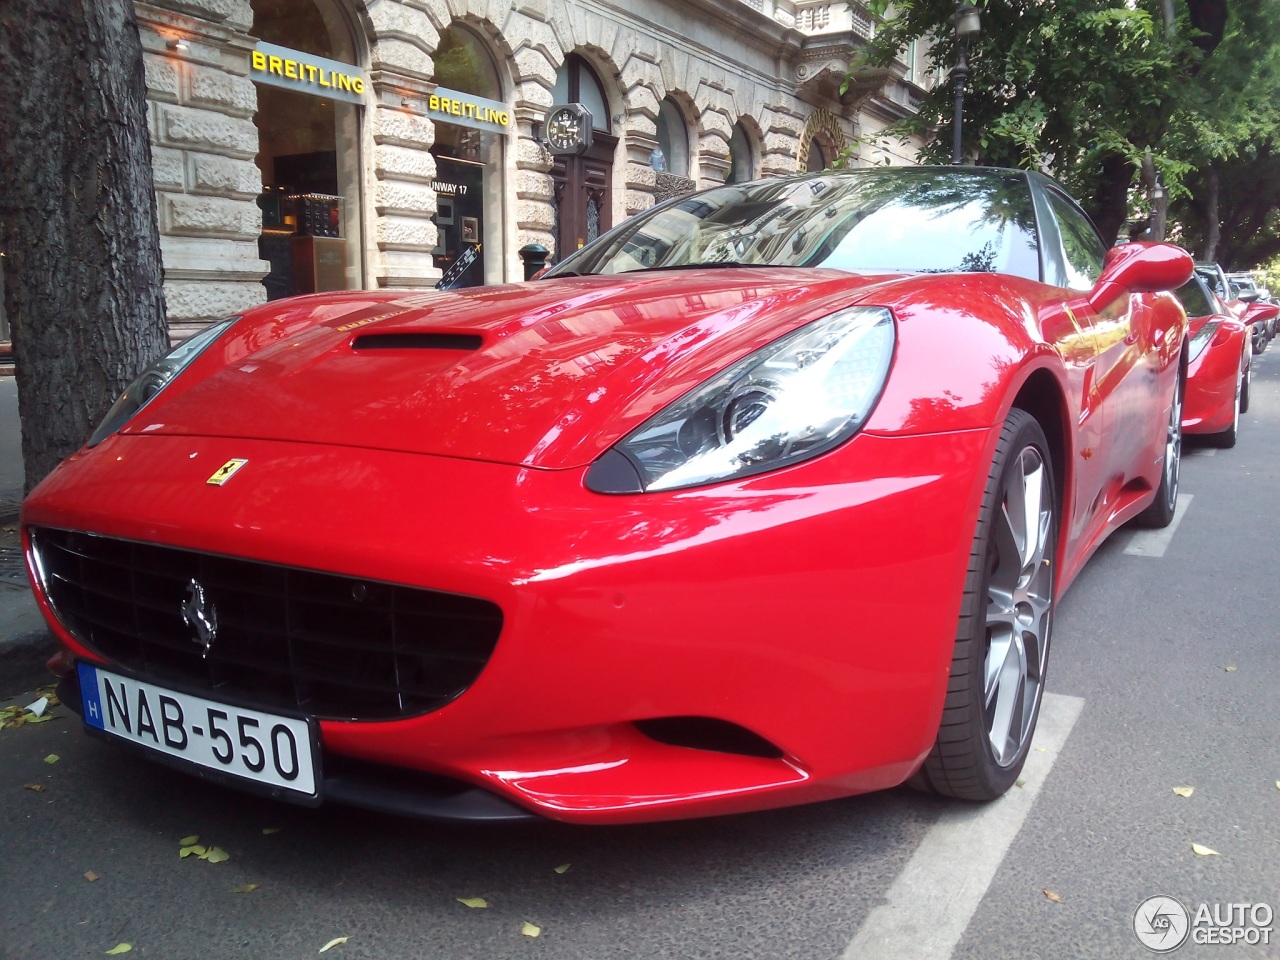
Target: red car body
{"x": 441, "y": 440}
{"x": 1219, "y": 368}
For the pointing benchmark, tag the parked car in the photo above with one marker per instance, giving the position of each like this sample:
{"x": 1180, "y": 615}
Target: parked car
{"x": 764, "y": 497}
{"x": 1248, "y": 291}
{"x": 1219, "y": 367}
{"x": 1228, "y": 291}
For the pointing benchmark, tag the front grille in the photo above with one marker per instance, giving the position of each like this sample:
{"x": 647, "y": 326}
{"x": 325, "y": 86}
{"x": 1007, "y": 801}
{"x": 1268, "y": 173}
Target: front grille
{"x": 332, "y": 646}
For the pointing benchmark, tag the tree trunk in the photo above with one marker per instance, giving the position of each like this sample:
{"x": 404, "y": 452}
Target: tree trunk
{"x": 1213, "y": 229}
{"x": 83, "y": 289}
{"x": 1110, "y": 204}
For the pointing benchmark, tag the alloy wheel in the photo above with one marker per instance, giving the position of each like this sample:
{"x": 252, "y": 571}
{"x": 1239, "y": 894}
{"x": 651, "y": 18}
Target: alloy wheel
{"x": 1019, "y": 606}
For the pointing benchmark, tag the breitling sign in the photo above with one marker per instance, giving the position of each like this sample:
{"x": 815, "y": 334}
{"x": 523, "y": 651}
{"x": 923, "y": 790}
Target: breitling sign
{"x": 468, "y": 110}
{"x": 305, "y": 73}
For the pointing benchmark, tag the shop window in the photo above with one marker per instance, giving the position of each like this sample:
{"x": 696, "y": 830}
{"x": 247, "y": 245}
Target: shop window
{"x": 741, "y": 157}
{"x": 469, "y": 181}
{"x": 309, "y": 156}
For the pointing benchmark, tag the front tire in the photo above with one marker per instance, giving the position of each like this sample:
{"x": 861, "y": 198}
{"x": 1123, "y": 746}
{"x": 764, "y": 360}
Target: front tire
{"x": 1226, "y": 439}
{"x": 1002, "y": 640}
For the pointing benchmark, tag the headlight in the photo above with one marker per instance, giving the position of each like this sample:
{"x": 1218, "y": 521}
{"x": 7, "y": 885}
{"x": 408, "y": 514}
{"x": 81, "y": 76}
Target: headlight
{"x": 154, "y": 379}
{"x": 794, "y": 399}
{"x": 1200, "y": 339}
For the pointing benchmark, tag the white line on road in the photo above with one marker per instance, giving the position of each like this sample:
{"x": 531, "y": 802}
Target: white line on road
{"x": 931, "y": 903}
{"x": 1153, "y": 543}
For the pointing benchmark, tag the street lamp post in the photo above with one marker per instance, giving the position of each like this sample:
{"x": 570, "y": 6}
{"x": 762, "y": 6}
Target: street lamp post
{"x": 967, "y": 24}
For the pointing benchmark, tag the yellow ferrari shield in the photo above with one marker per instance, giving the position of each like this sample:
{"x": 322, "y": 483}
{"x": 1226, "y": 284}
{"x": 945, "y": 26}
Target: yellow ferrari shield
{"x": 225, "y": 472}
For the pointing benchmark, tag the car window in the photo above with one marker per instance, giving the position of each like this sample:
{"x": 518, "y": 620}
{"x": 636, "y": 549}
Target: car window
{"x": 1082, "y": 248}
{"x": 1195, "y": 298}
{"x": 901, "y": 220}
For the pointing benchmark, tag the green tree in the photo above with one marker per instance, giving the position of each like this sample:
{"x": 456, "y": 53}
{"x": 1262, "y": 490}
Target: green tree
{"x": 78, "y": 228}
{"x": 1084, "y": 88}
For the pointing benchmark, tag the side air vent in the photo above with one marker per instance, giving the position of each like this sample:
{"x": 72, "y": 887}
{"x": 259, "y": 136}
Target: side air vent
{"x": 417, "y": 341}
{"x": 708, "y": 733}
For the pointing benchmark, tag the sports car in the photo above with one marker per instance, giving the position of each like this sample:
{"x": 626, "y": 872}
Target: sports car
{"x": 1218, "y": 369}
{"x": 764, "y": 497}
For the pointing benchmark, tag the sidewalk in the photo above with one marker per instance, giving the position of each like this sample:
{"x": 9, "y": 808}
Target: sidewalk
{"x": 25, "y": 642}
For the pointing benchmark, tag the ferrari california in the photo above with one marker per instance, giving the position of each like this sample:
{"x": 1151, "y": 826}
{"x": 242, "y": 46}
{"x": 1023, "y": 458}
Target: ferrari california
{"x": 1218, "y": 368}
{"x": 764, "y": 497}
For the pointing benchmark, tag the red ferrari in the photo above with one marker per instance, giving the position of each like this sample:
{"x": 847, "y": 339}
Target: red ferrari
{"x": 764, "y": 497}
{"x": 1219, "y": 351}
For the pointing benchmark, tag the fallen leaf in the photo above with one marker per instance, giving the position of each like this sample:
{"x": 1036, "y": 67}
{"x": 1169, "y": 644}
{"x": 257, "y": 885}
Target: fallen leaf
{"x": 215, "y": 855}
{"x": 530, "y": 929}
{"x": 39, "y": 787}
{"x": 188, "y": 841}
{"x": 1184, "y": 791}
{"x": 52, "y": 758}
{"x": 335, "y": 942}
{"x": 50, "y": 693}
{"x": 1052, "y": 895}
{"x": 90, "y": 876}
{"x": 1278, "y": 784}
{"x": 268, "y": 831}
{"x": 1230, "y": 669}
{"x": 564, "y": 867}
{"x": 475, "y": 903}
{"x": 119, "y": 948}
{"x": 1204, "y": 851}
{"x": 1042, "y": 749}
{"x": 44, "y": 719}
{"x": 247, "y": 888}
{"x": 194, "y": 850}
{"x": 1019, "y": 783}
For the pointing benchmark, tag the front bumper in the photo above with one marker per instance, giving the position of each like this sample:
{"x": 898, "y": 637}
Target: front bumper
{"x": 813, "y": 607}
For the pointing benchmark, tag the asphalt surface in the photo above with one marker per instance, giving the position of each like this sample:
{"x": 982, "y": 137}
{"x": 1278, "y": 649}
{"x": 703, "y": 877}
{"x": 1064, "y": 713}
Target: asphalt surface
{"x": 1170, "y": 662}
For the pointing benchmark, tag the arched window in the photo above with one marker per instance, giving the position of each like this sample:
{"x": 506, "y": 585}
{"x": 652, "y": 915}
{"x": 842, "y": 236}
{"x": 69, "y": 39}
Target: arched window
{"x": 309, "y": 156}
{"x": 817, "y": 158}
{"x": 741, "y": 157}
{"x": 468, "y": 184}
{"x": 673, "y": 140}
{"x": 576, "y": 82}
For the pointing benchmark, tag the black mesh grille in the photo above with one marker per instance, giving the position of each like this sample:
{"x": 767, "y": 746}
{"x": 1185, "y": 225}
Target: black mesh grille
{"x": 328, "y": 645}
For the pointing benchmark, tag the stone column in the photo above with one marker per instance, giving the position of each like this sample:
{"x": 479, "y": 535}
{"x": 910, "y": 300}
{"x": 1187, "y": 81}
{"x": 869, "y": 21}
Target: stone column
{"x": 203, "y": 143}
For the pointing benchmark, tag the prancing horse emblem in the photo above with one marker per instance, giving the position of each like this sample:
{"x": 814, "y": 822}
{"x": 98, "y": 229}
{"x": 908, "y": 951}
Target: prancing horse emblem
{"x": 200, "y": 616}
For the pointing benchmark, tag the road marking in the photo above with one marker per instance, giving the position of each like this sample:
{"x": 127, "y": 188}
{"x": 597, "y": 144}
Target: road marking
{"x": 929, "y": 906}
{"x": 1153, "y": 543}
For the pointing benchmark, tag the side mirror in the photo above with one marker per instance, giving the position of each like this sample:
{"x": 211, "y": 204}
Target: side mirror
{"x": 1250, "y": 297}
{"x": 1260, "y": 313}
{"x": 1140, "y": 268}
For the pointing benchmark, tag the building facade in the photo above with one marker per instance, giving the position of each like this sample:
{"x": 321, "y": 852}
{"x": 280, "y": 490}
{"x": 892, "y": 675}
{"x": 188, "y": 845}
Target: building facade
{"x": 304, "y": 145}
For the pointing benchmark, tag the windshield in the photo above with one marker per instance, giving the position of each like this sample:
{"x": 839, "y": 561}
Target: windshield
{"x": 914, "y": 220}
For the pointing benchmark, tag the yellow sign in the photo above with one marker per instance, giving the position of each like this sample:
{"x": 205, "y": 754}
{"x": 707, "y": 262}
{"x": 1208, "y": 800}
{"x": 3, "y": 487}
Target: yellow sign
{"x": 225, "y": 472}
{"x": 468, "y": 110}
{"x": 305, "y": 73}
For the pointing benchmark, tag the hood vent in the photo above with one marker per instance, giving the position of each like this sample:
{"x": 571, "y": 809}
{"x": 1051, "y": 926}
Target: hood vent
{"x": 417, "y": 341}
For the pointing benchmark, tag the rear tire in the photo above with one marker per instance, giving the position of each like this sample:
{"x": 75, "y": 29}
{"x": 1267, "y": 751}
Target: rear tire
{"x": 1244, "y": 391}
{"x": 1160, "y": 513}
{"x": 1002, "y": 639}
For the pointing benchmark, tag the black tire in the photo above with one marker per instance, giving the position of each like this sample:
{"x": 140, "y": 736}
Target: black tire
{"x": 1244, "y": 391}
{"x": 1258, "y": 337}
{"x": 1160, "y": 513}
{"x": 1226, "y": 439}
{"x": 1006, "y": 617}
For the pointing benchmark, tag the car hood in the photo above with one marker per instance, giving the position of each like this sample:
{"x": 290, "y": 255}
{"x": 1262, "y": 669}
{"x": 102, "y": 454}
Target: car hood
{"x": 545, "y": 374}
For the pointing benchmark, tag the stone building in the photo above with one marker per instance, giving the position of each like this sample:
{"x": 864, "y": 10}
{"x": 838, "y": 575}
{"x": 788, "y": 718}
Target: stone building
{"x": 305, "y": 145}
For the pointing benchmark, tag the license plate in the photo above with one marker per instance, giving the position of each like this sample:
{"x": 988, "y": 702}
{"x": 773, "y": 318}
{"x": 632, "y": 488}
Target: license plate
{"x": 250, "y": 744}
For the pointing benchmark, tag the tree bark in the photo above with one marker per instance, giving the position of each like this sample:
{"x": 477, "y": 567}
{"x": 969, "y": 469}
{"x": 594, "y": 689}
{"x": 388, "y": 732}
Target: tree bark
{"x": 83, "y": 286}
{"x": 1110, "y": 204}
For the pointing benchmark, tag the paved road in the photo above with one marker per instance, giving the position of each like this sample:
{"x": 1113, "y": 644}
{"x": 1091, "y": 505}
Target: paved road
{"x": 1165, "y": 673}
